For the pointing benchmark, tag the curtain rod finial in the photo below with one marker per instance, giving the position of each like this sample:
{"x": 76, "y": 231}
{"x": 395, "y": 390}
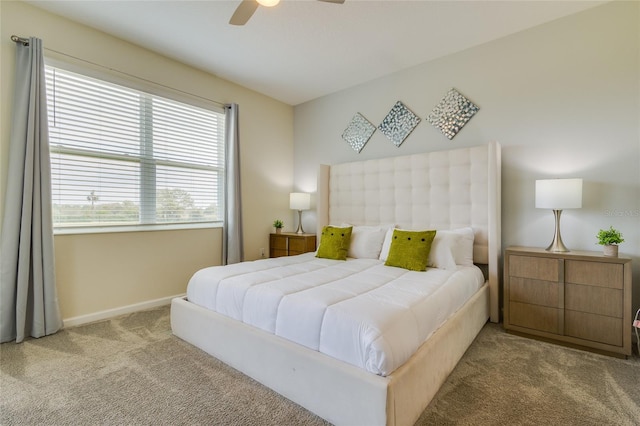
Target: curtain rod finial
{"x": 24, "y": 41}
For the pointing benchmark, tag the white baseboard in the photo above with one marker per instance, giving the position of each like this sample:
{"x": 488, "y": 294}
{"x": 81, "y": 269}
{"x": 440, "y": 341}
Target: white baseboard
{"x": 110, "y": 313}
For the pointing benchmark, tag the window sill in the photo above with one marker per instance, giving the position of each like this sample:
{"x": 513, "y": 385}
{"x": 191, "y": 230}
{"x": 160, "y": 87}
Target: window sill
{"x": 134, "y": 228}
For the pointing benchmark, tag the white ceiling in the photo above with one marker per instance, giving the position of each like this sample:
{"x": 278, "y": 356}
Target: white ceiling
{"x": 304, "y": 49}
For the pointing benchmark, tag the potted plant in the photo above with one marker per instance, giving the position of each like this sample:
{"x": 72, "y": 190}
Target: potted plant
{"x": 610, "y": 238}
{"x": 278, "y": 225}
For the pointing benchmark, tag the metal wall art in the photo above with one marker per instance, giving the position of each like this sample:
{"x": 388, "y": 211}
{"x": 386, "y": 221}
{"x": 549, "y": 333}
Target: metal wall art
{"x": 358, "y": 132}
{"x": 452, "y": 113}
{"x": 399, "y": 123}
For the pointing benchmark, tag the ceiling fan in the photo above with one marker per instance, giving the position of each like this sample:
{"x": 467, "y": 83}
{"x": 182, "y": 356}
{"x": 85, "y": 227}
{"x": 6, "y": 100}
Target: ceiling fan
{"x": 246, "y": 9}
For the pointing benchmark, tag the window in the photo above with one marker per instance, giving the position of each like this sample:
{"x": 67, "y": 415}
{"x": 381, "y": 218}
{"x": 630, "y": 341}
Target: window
{"x": 124, "y": 157}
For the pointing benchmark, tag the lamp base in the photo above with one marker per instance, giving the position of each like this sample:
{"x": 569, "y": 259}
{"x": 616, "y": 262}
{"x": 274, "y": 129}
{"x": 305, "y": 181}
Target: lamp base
{"x": 299, "y": 230}
{"x": 557, "y": 245}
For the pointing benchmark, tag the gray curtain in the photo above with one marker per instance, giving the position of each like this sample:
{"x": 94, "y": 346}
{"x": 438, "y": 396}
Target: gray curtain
{"x": 232, "y": 247}
{"x": 28, "y": 299}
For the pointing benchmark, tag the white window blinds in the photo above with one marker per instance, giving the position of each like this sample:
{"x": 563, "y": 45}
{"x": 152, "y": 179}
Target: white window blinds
{"x": 124, "y": 157}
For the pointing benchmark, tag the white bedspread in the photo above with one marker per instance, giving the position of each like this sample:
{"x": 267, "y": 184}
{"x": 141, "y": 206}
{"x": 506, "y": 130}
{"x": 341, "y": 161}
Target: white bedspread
{"x": 359, "y": 311}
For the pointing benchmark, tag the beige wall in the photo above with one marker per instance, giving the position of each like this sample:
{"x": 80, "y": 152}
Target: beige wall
{"x": 98, "y": 272}
{"x": 563, "y": 99}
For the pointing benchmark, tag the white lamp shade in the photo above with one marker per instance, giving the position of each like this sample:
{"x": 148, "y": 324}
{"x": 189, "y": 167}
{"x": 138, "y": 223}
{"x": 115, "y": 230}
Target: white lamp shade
{"x": 268, "y": 3}
{"x": 299, "y": 201}
{"x": 559, "y": 194}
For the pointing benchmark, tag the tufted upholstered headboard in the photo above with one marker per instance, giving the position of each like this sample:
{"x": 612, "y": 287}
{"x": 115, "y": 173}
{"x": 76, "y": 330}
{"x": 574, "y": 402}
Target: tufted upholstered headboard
{"x": 431, "y": 190}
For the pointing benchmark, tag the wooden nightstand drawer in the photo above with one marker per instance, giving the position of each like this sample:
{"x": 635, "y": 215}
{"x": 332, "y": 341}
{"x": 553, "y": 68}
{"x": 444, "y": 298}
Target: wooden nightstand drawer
{"x": 594, "y": 273}
{"x": 536, "y": 292}
{"x": 297, "y": 246}
{"x": 594, "y": 300}
{"x": 534, "y": 267}
{"x": 535, "y": 317}
{"x": 595, "y": 328}
{"x": 278, "y": 242}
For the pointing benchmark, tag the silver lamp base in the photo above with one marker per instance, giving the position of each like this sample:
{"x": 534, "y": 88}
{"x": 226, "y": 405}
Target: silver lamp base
{"x": 557, "y": 245}
{"x": 300, "y": 230}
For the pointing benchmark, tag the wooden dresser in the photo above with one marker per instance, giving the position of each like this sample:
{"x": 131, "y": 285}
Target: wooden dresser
{"x": 581, "y": 299}
{"x": 291, "y": 244}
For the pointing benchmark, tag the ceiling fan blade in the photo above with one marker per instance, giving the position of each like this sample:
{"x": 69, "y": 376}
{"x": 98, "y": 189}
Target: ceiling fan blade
{"x": 333, "y": 1}
{"x": 244, "y": 12}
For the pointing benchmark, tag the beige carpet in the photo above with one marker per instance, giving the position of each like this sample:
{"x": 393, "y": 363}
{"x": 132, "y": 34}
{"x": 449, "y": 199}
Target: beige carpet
{"x": 133, "y": 371}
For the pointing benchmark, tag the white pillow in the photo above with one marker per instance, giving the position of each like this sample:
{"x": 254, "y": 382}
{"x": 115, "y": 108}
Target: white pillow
{"x": 462, "y": 246}
{"x": 449, "y": 245}
{"x": 459, "y": 243}
{"x": 386, "y": 245}
{"x": 366, "y": 241}
{"x": 441, "y": 254}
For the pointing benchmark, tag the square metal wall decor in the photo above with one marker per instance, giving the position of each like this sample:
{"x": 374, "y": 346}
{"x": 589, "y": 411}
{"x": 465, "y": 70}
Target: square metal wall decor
{"x": 358, "y": 132}
{"x": 452, "y": 113}
{"x": 399, "y": 123}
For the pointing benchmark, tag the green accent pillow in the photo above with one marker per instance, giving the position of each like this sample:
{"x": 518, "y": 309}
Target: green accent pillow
{"x": 410, "y": 249}
{"x": 334, "y": 242}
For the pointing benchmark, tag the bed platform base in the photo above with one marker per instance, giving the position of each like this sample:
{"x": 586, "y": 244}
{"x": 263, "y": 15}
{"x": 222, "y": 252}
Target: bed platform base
{"x": 334, "y": 390}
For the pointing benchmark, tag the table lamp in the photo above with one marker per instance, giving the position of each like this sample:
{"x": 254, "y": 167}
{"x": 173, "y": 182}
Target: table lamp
{"x": 299, "y": 201}
{"x": 558, "y": 194}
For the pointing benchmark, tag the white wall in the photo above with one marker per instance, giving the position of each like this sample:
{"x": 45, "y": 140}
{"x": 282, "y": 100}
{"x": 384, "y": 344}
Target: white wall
{"x": 98, "y": 272}
{"x": 561, "y": 98}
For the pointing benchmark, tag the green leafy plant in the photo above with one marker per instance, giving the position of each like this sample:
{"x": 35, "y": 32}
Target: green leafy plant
{"x": 278, "y": 224}
{"x": 611, "y": 236}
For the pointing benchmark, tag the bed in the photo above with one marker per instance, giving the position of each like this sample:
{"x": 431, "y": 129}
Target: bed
{"x": 442, "y": 190}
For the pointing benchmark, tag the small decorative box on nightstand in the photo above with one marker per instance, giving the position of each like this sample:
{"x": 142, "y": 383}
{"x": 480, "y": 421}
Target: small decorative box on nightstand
{"x": 291, "y": 244}
{"x": 579, "y": 298}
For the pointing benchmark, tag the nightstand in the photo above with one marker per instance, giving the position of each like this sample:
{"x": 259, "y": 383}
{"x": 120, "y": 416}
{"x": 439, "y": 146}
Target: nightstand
{"x": 579, "y": 298}
{"x": 291, "y": 244}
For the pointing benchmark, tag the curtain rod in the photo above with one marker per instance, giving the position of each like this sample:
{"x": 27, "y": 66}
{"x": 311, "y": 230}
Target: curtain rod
{"x": 24, "y": 41}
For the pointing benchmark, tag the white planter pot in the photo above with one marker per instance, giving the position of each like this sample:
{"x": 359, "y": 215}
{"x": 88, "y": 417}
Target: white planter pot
{"x": 611, "y": 250}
